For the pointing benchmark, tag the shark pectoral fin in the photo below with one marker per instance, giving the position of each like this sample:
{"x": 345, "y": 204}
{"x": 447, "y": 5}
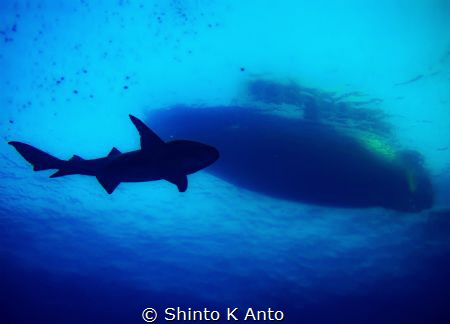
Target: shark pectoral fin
{"x": 114, "y": 152}
{"x": 180, "y": 181}
{"x": 149, "y": 139}
{"x": 108, "y": 183}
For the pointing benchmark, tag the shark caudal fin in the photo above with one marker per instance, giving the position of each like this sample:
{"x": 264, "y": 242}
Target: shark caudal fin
{"x": 38, "y": 159}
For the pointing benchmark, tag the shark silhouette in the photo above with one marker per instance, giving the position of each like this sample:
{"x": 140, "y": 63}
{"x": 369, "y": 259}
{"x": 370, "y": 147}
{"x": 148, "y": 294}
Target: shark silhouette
{"x": 156, "y": 160}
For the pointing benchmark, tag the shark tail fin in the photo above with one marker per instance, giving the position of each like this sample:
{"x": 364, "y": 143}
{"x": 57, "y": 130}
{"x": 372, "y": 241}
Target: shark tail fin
{"x": 37, "y": 158}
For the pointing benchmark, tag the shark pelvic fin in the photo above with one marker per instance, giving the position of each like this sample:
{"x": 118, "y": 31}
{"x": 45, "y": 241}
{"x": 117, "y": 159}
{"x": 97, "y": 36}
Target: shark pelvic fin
{"x": 108, "y": 183}
{"x": 60, "y": 173}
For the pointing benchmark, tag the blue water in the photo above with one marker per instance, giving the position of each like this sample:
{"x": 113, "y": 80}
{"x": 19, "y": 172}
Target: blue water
{"x": 71, "y": 72}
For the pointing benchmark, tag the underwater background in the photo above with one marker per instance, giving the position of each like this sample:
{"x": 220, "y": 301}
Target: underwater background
{"x": 72, "y": 71}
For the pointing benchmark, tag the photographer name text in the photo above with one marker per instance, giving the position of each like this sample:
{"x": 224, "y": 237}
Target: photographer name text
{"x": 231, "y": 314}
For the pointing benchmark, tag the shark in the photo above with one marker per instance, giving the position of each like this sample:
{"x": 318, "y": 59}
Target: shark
{"x": 172, "y": 161}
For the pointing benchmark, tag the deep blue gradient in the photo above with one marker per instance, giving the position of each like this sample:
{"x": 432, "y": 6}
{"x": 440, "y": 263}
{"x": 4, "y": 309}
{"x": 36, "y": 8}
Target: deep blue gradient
{"x": 72, "y": 71}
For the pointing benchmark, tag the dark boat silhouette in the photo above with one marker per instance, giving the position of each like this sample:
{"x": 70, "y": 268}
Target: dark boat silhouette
{"x": 301, "y": 160}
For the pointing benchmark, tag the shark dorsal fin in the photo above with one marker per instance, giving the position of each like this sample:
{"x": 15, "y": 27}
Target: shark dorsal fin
{"x": 114, "y": 152}
{"x": 180, "y": 181}
{"x": 76, "y": 158}
{"x": 149, "y": 139}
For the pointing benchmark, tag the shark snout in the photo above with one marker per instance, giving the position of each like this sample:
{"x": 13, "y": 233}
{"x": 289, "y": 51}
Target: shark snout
{"x": 213, "y": 154}
{"x": 192, "y": 156}
{"x": 205, "y": 156}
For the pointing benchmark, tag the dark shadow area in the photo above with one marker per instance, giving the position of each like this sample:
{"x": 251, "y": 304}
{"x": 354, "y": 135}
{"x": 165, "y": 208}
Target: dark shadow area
{"x": 301, "y": 160}
{"x": 30, "y": 295}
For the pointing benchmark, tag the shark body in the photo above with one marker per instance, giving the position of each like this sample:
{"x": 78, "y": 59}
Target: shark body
{"x": 155, "y": 160}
